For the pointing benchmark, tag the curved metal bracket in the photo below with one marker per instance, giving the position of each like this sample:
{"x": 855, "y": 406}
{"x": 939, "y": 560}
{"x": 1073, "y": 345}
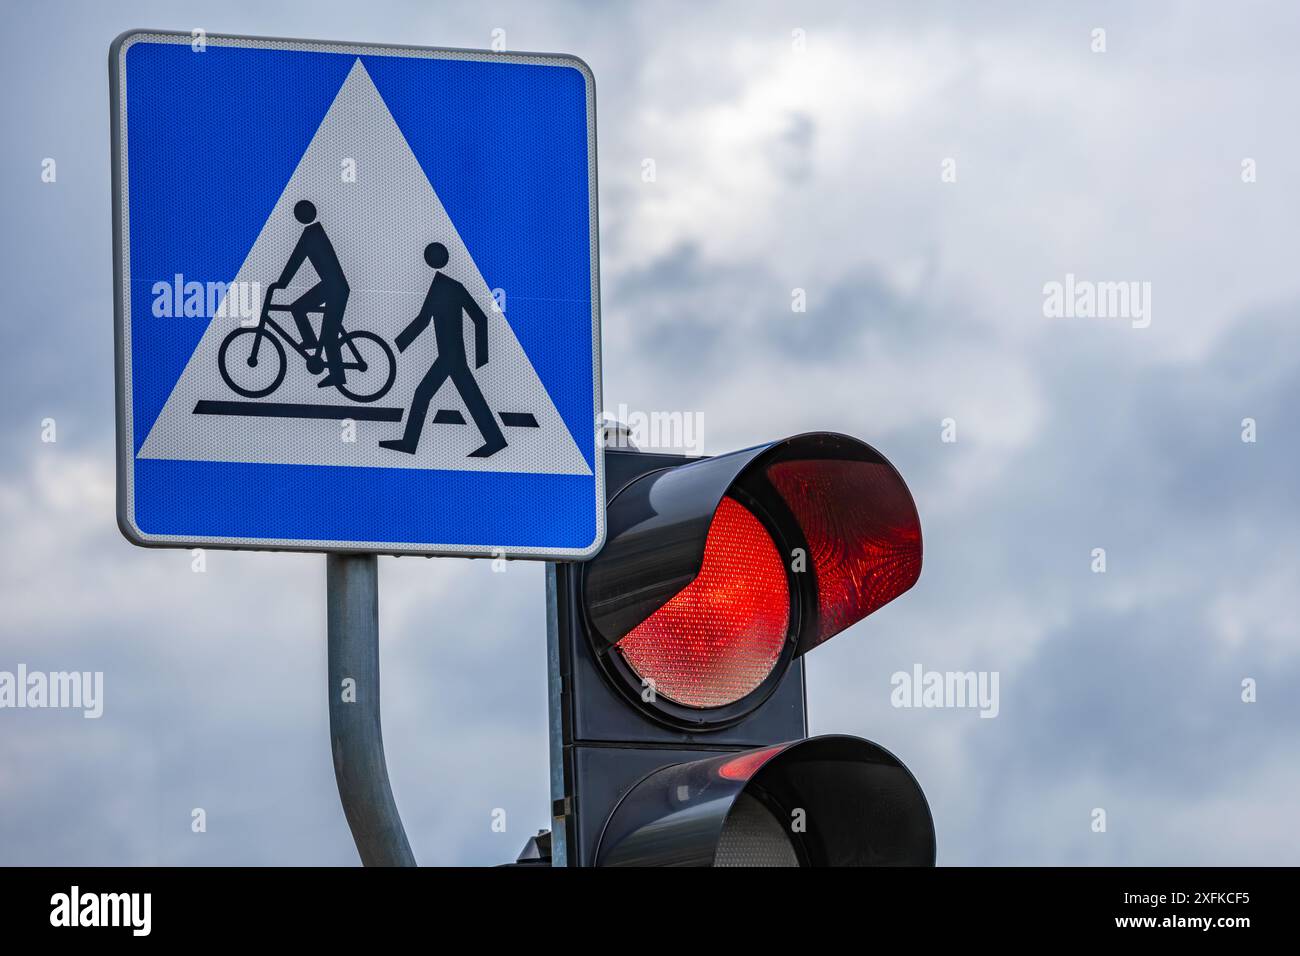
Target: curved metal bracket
{"x": 356, "y": 738}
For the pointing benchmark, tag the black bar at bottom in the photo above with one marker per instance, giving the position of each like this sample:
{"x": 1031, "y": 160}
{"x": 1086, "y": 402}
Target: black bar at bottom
{"x": 222, "y": 903}
{"x": 359, "y": 413}
{"x": 449, "y": 416}
{"x": 292, "y": 410}
{"x": 518, "y": 420}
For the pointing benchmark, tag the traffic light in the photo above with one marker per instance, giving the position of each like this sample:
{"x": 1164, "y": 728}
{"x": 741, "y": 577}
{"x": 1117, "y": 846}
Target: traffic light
{"x": 679, "y": 731}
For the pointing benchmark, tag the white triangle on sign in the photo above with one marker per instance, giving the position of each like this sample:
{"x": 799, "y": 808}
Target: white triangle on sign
{"x": 379, "y": 223}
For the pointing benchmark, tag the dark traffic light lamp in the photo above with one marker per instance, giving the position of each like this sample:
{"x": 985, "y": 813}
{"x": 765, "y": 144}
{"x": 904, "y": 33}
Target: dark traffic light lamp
{"x": 678, "y": 716}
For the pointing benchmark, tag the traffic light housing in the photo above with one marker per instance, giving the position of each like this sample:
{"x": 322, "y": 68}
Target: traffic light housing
{"x": 678, "y": 715}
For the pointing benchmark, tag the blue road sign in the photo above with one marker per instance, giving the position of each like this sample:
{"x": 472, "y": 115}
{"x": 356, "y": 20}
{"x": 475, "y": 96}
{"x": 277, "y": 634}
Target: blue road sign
{"x": 357, "y": 298}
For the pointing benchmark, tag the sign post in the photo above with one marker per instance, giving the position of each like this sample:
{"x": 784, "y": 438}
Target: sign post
{"x": 356, "y": 737}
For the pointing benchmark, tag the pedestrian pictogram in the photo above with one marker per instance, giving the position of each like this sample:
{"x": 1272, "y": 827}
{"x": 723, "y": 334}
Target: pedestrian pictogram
{"x": 444, "y": 305}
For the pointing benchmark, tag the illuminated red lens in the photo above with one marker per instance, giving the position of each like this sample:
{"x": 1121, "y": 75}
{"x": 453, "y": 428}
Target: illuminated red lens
{"x": 719, "y": 637}
{"x": 743, "y": 767}
{"x": 864, "y": 536}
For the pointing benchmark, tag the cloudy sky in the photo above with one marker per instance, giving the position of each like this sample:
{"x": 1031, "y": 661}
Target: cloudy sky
{"x": 1169, "y": 159}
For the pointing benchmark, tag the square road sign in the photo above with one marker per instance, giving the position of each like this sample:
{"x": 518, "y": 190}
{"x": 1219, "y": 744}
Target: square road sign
{"x": 357, "y": 300}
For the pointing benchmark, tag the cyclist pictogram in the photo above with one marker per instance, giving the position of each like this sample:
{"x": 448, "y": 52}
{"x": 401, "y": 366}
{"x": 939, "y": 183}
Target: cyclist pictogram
{"x": 252, "y": 361}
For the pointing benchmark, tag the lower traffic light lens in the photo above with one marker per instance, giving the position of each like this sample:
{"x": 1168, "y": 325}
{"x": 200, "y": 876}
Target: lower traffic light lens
{"x": 720, "y": 637}
{"x": 753, "y": 836}
{"x": 824, "y": 801}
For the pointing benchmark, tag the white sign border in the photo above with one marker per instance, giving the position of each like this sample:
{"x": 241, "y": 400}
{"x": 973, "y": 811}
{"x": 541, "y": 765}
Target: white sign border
{"x": 122, "y": 301}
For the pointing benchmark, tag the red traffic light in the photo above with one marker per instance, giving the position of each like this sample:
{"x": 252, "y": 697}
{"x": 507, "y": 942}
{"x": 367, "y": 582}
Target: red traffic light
{"x": 718, "y": 638}
{"x": 716, "y": 573}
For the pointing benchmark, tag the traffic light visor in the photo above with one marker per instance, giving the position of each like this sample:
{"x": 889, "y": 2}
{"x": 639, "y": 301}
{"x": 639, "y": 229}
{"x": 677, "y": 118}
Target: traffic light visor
{"x": 825, "y": 801}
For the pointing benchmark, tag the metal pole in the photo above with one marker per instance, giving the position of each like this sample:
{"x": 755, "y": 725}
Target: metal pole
{"x": 554, "y": 683}
{"x": 356, "y": 738}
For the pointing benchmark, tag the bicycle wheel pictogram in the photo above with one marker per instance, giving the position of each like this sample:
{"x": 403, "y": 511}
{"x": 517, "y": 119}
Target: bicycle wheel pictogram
{"x": 252, "y": 362}
{"x": 369, "y": 364}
